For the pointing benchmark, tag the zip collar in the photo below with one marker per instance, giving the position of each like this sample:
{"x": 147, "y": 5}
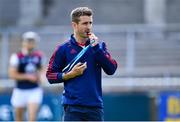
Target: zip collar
{"x": 73, "y": 41}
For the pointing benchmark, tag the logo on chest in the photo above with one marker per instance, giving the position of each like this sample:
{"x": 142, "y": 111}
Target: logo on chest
{"x": 73, "y": 51}
{"x": 30, "y": 68}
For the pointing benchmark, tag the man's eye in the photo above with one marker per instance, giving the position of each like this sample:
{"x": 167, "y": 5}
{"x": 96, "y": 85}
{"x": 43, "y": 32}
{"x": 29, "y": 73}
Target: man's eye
{"x": 86, "y": 23}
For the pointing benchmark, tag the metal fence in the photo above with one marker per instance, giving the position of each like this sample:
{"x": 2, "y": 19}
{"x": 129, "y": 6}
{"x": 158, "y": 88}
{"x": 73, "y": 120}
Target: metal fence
{"x": 140, "y": 50}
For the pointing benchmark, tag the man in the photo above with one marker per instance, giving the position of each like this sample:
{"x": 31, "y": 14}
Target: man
{"x": 82, "y": 96}
{"x": 26, "y": 68}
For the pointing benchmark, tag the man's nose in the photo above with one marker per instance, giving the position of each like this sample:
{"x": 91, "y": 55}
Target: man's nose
{"x": 89, "y": 26}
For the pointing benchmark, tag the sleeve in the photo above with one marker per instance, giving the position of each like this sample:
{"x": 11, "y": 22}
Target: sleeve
{"x": 14, "y": 61}
{"x": 56, "y": 64}
{"x": 104, "y": 59}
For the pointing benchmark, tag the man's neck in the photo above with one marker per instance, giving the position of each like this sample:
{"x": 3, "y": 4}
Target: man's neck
{"x": 79, "y": 39}
{"x": 26, "y": 51}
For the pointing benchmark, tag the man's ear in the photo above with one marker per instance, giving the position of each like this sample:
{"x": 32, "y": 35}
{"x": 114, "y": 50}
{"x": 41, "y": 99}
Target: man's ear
{"x": 74, "y": 25}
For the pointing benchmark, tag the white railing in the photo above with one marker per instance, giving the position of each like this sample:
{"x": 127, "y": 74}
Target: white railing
{"x": 128, "y": 33}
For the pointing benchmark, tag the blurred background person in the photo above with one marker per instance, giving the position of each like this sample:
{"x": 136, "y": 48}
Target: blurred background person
{"x": 26, "y": 68}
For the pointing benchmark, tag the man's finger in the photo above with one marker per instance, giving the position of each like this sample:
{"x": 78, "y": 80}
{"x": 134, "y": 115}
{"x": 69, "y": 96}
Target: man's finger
{"x": 78, "y": 64}
{"x": 83, "y": 65}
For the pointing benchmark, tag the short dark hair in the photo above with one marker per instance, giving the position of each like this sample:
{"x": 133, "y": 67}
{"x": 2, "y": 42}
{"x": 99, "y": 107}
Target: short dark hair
{"x": 80, "y": 11}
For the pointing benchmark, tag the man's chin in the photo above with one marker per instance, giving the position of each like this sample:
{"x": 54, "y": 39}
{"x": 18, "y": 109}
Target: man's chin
{"x": 84, "y": 36}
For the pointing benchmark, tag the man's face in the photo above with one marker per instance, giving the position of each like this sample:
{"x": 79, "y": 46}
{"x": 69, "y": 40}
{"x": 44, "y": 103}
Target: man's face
{"x": 29, "y": 44}
{"x": 84, "y": 26}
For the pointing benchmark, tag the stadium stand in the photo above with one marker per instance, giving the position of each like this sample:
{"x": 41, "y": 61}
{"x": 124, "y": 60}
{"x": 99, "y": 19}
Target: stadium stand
{"x": 156, "y": 52}
{"x": 147, "y": 53}
{"x": 141, "y": 50}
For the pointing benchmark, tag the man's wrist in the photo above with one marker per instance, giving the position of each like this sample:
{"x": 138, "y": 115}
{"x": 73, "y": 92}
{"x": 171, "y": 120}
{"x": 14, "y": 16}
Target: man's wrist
{"x": 68, "y": 75}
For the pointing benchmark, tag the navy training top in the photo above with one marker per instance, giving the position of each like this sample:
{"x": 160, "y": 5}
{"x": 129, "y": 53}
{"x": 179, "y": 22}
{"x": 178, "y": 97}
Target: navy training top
{"x": 86, "y": 89}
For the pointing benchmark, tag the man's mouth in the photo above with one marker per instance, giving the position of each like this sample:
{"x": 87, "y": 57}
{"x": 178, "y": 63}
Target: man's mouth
{"x": 88, "y": 33}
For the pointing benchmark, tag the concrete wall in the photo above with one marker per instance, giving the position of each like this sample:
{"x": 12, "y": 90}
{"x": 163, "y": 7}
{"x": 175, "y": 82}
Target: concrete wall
{"x": 30, "y": 12}
{"x": 172, "y": 11}
{"x": 9, "y": 12}
{"x": 105, "y": 11}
